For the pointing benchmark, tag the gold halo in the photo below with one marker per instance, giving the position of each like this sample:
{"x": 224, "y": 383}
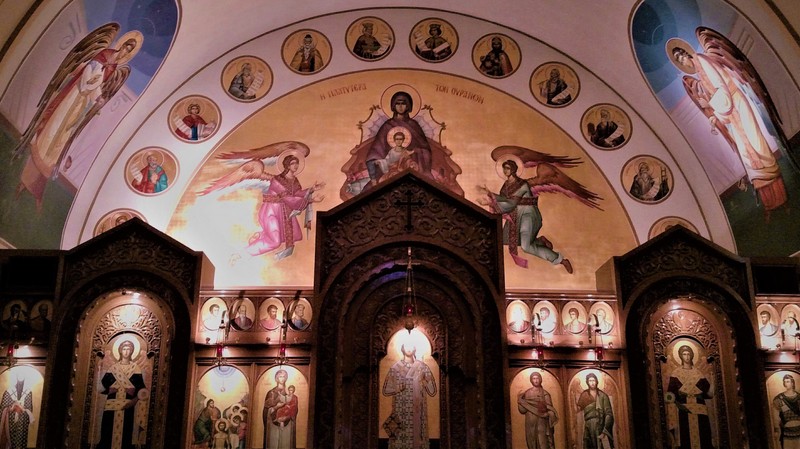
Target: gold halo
{"x": 135, "y": 35}
{"x": 137, "y": 347}
{"x": 399, "y": 129}
{"x": 300, "y": 157}
{"x": 386, "y": 99}
{"x": 498, "y": 166}
{"x": 690, "y": 343}
{"x": 677, "y": 42}
{"x": 159, "y": 156}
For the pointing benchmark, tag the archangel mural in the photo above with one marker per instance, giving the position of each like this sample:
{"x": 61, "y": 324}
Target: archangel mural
{"x": 107, "y": 59}
{"x": 87, "y": 79}
{"x": 283, "y": 198}
{"x": 518, "y": 200}
{"x": 697, "y": 65}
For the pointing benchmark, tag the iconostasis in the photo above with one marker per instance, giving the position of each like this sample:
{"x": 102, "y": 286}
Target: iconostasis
{"x": 241, "y": 158}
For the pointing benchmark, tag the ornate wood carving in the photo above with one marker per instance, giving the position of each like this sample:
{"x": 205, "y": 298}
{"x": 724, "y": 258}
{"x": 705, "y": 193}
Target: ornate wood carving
{"x": 441, "y": 219}
{"x": 361, "y": 248}
{"x": 133, "y": 246}
{"x": 680, "y": 253}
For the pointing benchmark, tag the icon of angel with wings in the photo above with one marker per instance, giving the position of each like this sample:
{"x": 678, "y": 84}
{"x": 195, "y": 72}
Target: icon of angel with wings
{"x": 726, "y": 87}
{"x": 518, "y": 200}
{"x": 92, "y": 72}
{"x": 283, "y": 198}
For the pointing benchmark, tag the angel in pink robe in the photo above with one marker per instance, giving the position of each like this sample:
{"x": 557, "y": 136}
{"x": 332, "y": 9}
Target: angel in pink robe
{"x": 282, "y": 201}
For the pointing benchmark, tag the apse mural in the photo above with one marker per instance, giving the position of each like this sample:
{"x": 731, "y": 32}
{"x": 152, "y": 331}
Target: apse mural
{"x": 95, "y": 57}
{"x": 537, "y": 410}
{"x": 251, "y": 204}
{"x": 409, "y": 139}
{"x": 693, "y": 55}
{"x": 518, "y": 200}
{"x": 280, "y": 418}
{"x": 21, "y": 388}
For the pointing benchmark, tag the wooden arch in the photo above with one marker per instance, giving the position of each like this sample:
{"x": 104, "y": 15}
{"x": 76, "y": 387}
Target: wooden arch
{"x": 362, "y": 249}
{"x": 680, "y": 265}
{"x": 132, "y": 256}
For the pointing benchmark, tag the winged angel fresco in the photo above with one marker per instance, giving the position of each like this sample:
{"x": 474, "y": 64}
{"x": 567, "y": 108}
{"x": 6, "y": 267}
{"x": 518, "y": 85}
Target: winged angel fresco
{"x": 726, "y": 87}
{"x": 518, "y": 200}
{"x": 283, "y": 198}
{"x": 89, "y": 76}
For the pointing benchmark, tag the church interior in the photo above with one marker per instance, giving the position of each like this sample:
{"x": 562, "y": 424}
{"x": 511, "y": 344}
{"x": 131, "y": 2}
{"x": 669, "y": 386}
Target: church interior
{"x": 372, "y": 224}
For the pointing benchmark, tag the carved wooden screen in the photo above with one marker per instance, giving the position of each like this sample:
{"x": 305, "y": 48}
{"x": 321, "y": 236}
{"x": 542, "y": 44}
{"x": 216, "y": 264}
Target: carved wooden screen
{"x": 120, "y": 373}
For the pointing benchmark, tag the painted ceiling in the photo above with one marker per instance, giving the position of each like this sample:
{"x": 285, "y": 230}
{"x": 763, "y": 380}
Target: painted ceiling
{"x": 214, "y": 100}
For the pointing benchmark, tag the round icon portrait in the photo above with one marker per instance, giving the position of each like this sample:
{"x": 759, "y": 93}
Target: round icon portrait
{"x": 518, "y": 316}
{"x": 602, "y": 317}
{"x": 242, "y": 314}
{"x": 647, "y": 179}
{"x": 573, "y": 317}
{"x": 300, "y": 314}
{"x": 114, "y": 219}
{"x": 194, "y": 118}
{"x": 545, "y": 316}
{"x": 663, "y": 224}
{"x": 151, "y": 171}
{"x": 214, "y": 314}
{"x": 270, "y": 314}
{"x": 606, "y": 126}
{"x": 433, "y": 40}
{"x": 15, "y": 316}
{"x": 369, "y": 38}
{"x": 496, "y": 55}
{"x": 768, "y": 317}
{"x": 306, "y": 52}
{"x": 555, "y": 84}
{"x": 247, "y": 78}
{"x": 790, "y": 320}
{"x": 41, "y": 316}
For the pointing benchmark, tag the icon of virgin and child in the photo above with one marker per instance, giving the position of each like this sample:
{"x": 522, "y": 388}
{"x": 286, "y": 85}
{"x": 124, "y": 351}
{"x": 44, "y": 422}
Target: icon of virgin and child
{"x": 403, "y": 141}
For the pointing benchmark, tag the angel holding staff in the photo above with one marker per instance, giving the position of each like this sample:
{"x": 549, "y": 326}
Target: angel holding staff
{"x": 283, "y": 198}
{"x": 725, "y": 86}
{"x": 88, "y": 77}
{"x": 518, "y": 200}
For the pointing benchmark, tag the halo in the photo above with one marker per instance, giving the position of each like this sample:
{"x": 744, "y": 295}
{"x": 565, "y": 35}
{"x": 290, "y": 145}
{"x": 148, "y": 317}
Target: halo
{"x": 137, "y": 347}
{"x": 677, "y": 42}
{"x": 386, "y": 98}
{"x": 159, "y": 156}
{"x": 498, "y": 166}
{"x": 135, "y": 35}
{"x": 300, "y": 157}
{"x": 695, "y": 350}
{"x": 399, "y": 129}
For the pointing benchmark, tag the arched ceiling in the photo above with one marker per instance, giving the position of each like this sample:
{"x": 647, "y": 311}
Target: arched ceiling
{"x": 322, "y": 110}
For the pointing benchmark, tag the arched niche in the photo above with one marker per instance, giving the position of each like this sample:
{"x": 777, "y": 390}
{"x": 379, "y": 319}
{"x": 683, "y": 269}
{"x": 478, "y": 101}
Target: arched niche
{"x": 361, "y": 285}
{"x": 97, "y": 278}
{"x": 677, "y": 291}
